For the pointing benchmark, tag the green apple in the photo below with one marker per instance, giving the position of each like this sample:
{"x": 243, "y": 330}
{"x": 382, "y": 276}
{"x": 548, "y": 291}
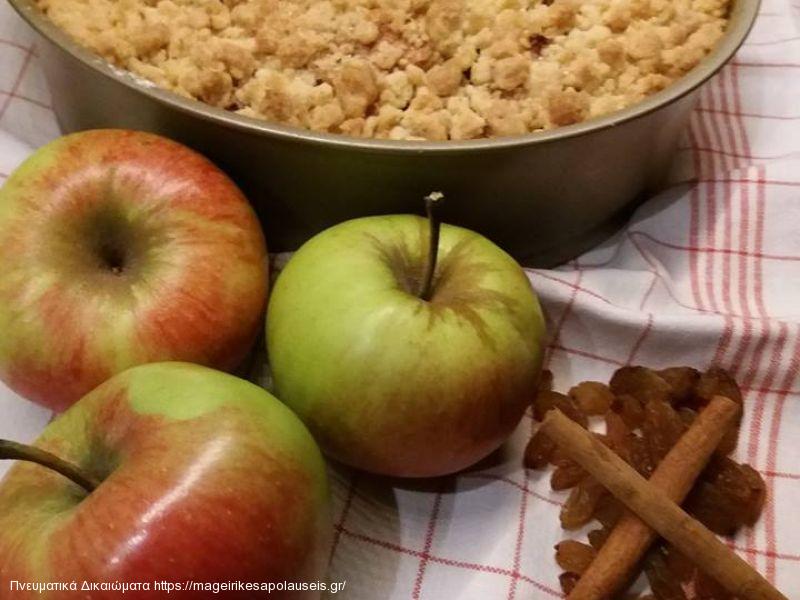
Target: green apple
{"x": 399, "y": 361}
{"x": 120, "y": 248}
{"x": 190, "y": 475}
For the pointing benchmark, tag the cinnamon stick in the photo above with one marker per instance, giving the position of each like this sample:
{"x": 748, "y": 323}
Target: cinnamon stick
{"x": 674, "y": 477}
{"x": 657, "y": 510}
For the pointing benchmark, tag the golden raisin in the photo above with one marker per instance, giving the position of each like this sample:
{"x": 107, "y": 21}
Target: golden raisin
{"x": 574, "y": 556}
{"x": 716, "y": 382}
{"x": 662, "y": 582}
{"x": 662, "y": 427}
{"x": 567, "y": 476}
{"x": 539, "y": 451}
{"x": 579, "y": 508}
{"x": 618, "y": 435}
{"x": 640, "y": 382}
{"x": 608, "y": 511}
{"x": 568, "y": 581}
{"x": 630, "y": 409}
{"x": 728, "y": 496}
{"x": 546, "y": 401}
{"x": 598, "y": 537}
{"x": 682, "y": 381}
{"x": 593, "y": 397}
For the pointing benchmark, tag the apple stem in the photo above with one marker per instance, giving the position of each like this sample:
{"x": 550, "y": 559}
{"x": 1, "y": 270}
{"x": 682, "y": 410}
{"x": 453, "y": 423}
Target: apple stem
{"x": 431, "y": 201}
{"x": 15, "y": 451}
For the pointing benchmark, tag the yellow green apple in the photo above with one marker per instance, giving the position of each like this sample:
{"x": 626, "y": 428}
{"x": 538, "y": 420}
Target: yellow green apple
{"x": 407, "y": 349}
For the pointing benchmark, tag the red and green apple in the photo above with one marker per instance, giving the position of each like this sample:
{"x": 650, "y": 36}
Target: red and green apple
{"x": 406, "y": 349}
{"x": 186, "y": 475}
{"x": 120, "y": 248}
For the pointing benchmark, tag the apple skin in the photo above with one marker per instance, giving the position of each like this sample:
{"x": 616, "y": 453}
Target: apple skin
{"x": 390, "y": 383}
{"x": 205, "y": 477}
{"x": 120, "y": 248}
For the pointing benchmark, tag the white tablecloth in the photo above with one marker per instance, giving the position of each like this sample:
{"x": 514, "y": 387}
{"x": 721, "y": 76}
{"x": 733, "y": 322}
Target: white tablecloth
{"x": 706, "y": 272}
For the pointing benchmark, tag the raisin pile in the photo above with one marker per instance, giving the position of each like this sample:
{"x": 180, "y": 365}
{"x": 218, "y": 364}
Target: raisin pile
{"x": 645, "y": 413}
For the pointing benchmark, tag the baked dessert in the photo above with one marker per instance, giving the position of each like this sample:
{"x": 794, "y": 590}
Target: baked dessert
{"x": 403, "y": 69}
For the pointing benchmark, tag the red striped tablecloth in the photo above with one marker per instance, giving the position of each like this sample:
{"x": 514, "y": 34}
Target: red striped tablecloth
{"x": 706, "y": 272}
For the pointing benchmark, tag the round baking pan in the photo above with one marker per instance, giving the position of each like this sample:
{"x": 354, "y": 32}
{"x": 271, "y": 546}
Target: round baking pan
{"x": 545, "y": 197}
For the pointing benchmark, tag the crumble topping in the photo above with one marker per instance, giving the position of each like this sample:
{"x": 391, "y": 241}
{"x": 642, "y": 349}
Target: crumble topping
{"x": 403, "y": 69}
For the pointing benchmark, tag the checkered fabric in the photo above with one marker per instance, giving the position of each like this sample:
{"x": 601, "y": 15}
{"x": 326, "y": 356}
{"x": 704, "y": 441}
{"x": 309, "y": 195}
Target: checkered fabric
{"x": 706, "y": 272}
